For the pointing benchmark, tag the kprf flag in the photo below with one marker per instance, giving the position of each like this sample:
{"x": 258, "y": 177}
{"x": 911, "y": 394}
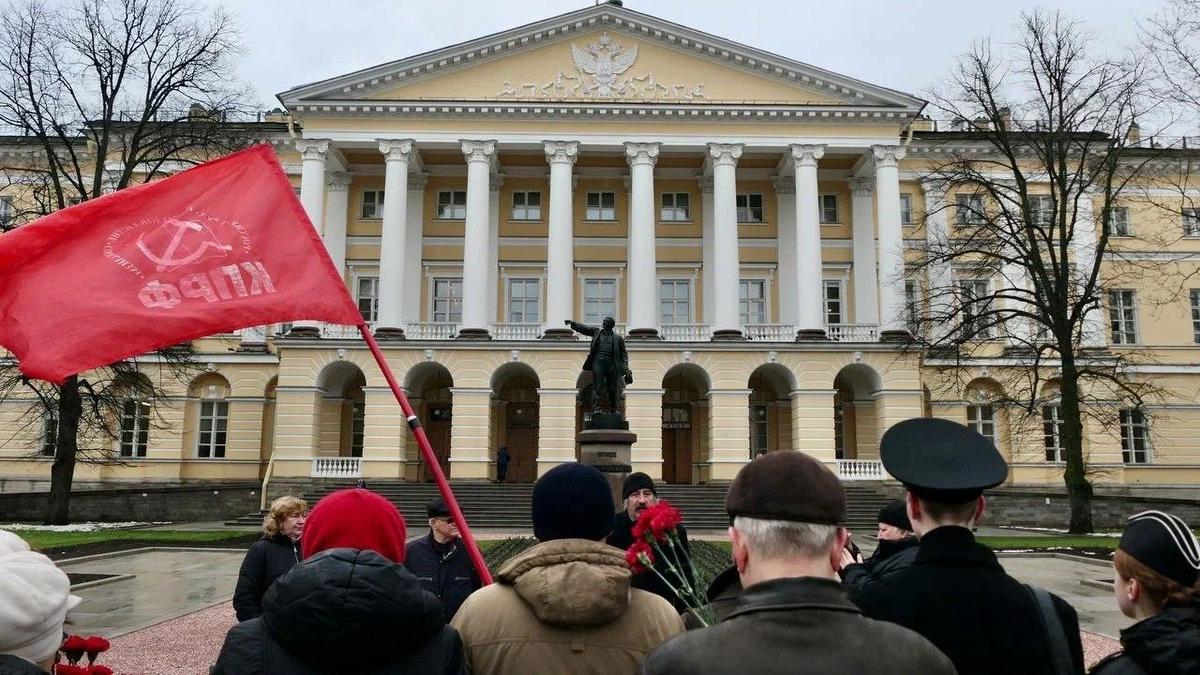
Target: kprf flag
{"x": 215, "y": 248}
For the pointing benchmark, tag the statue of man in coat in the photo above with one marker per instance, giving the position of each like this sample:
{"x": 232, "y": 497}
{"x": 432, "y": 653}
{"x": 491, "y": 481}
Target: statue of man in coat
{"x": 608, "y": 361}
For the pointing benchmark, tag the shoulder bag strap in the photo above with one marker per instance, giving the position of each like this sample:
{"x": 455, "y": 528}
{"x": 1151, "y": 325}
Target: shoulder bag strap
{"x": 1056, "y": 639}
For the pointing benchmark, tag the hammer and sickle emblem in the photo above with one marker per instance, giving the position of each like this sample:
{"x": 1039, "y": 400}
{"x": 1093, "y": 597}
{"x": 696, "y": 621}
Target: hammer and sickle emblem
{"x": 171, "y": 256}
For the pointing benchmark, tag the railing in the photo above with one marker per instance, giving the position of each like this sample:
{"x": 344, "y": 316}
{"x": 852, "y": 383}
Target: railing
{"x": 337, "y": 467}
{"x": 431, "y": 330}
{"x": 516, "y": 331}
{"x": 333, "y": 331}
{"x": 861, "y": 469}
{"x": 685, "y": 332}
{"x": 771, "y": 332}
{"x": 853, "y": 332}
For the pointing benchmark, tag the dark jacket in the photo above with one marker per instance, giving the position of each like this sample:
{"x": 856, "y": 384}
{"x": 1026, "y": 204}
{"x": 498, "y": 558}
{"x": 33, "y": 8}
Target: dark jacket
{"x": 443, "y": 569}
{"x": 620, "y": 355}
{"x": 723, "y": 592}
{"x": 1167, "y": 643}
{"x": 265, "y": 562}
{"x": 344, "y": 611}
{"x": 622, "y": 538}
{"x": 889, "y": 557}
{"x": 957, "y": 595}
{"x": 798, "y": 626}
{"x": 15, "y": 665}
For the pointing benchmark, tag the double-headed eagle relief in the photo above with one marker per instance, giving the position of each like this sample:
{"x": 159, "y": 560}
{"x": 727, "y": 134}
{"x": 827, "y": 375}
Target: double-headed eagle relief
{"x": 601, "y": 72}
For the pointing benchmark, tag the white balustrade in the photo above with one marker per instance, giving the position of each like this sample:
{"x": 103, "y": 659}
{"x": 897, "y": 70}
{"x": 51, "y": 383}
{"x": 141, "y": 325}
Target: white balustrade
{"x": 861, "y": 469}
{"x": 333, "y": 331}
{"x": 516, "y": 331}
{"x": 431, "y": 330}
{"x": 685, "y": 332}
{"x": 770, "y": 332}
{"x": 337, "y": 467}
{"x": 852, "y": 332}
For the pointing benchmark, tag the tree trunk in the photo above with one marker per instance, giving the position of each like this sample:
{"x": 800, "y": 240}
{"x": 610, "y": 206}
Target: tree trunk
{"x": 1079, "y": 488}
{"x": 70, "y": 409}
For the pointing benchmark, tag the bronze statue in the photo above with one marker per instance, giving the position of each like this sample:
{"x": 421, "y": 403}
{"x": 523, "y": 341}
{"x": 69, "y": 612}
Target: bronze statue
{"x": 608, "y": 361}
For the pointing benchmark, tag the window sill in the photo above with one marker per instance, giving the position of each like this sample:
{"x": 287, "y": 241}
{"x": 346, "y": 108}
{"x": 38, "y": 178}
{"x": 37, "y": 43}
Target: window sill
{"x": 523, "y": 221}
{"x": 449, "y": 220}
{"x": 370, "y": 218}
{"x": 601, "y": 222}
{"x": 676, "y": 222}
{"x": 832, "y": 224}
{"x": 760, "y": 222}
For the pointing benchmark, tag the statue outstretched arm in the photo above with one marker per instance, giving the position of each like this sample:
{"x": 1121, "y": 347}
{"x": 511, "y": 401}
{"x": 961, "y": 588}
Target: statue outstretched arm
{"x": 582, "y": 328}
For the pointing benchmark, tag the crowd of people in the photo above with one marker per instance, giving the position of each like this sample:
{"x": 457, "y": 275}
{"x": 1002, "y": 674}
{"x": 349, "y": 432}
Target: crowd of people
{"x": 341, "y": 590}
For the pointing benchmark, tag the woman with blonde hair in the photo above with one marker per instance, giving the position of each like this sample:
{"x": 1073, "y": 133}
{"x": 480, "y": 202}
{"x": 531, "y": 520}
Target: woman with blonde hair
{"x": 270, "y": 557}
{"x": 1157, "y": 567}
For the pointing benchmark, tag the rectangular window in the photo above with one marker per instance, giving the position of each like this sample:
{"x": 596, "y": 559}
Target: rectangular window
{"x": 982, "y": 420}
{"x": 527, "y": 206}
{"x": 750, "y": 208}
{"x": 601, "y": 206}
{"x": 1052, "y": 432}
{"x": 1118, "y": 222}
{"x": 1041, "y": 209}
{"x": 524, "y": 300}
{"x": 452, "y": 205}
{"x": 759, "y": 438}
{"x": 676, "y": 207}
{"x": 829, "y": 209}
{"x": 599, "y": 300}
{"x": 367, "y": 293}
{"x": 1135, "y": 437}
{"x": 214, "y": 422}
{"x": 372, "y": 204}
{"x": 968, "y": 209}
{"x": 49, "y": 433}
{"x": 752, "y": 301}
{"x": 1122, "y": 317}
{"x": 976, "y": 305}
{"x": 675, "y": 301}
{"x": 906, "y": 211}
{"x": 1195, "y": 297}
{"x": 833, "y": 302}
{"x": 912, "y": 306}
{"x": 358, "y": 426}
{"x": 135, "y": 428}
{"x": 447, "y": 300}
{"x": 6, "y": 210}
{"x": 1191, "y": 222}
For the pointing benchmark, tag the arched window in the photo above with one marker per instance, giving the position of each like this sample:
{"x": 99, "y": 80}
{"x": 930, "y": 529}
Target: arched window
{"x": 213, "y": 423}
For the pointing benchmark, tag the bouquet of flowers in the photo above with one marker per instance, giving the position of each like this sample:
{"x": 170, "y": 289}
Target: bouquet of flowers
{"x": 656, "y": 540}
{"x": 75, "y": 648}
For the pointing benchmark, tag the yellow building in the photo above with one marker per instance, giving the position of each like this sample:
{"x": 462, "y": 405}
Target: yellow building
{"x": 744, "y": 218}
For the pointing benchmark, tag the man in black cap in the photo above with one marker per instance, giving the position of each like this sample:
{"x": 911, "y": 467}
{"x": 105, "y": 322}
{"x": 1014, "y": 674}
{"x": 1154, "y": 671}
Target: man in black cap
{"x": 956, "y": 593}
{"x": 793, "y": 617}
{"x": 639, "y": 494}
{"x": 896, "y": 550}
{"x": 440, "y": 561}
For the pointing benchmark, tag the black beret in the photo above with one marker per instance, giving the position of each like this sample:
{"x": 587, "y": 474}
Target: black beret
{"x": 895, "y": 513}
{"x": 436, "y": 508}
{"x": 637, "y": 481}
{"x": 1165, "y": 544}
{"x": 787, "y": 486}
{"x": 940, "y": 460}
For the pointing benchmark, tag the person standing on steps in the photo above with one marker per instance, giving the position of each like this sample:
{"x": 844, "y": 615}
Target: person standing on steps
{"x": 270, "y": 557}
{"x": 440, "y": 561}
{"x": 503, "y": 457}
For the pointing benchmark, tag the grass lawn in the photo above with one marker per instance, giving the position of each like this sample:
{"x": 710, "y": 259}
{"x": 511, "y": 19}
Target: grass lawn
{"x": 1050, "y": 542}
{"x": 39, "y": 540}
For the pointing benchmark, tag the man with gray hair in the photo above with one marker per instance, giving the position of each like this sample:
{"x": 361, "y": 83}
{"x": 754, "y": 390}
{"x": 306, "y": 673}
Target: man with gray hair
{"x": 787, "y": 538}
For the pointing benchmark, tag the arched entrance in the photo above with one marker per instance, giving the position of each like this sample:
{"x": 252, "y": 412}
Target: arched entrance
{"x": 855, "y": 404}
{"x": 428, "y": 385}
{"x": 770, "y": 409}
{"x": 343, "y": 409}
{"x": 685, "y": 424}
{"x": 514, "y": 390}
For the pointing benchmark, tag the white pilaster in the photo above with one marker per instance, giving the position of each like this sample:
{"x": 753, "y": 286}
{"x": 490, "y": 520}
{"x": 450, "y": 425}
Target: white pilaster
{"x": 560, "y": 247}
{"x": 892, "y": 324}
{"x": 413, "y": 248}
{"x": 396, "y": 155}
{"x": 1084, "y": 243}
{"x": 810, "y": 317}
{"x": 312, "y": 196}
{"x": 789, "y": 282}
{"x": 337, "y": 204}
{"x": 707, "y": 225}
{"x": 866, "y": 281}
{"x": 642, "y": 292}
{"x": 476, "y": 239}
{"x": 937, "y": 241}
{"x": 726, "y": 322}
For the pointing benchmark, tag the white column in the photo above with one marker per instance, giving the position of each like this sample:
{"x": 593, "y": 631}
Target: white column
{"x": 726, "y": 323}
{"x": 707, "y": 236}
{"x": 810, "y": 317}
{"x": 891, "y": 242}
{"x": 642, "y": 291}
{"x": 413, "y": 248}
{"x": 337, "y": 204}
{"x": 789, "y": 282}
{"x": 312, "y": 196}
{"x": 396, "y": 154}
{"x": 560, "y": 247}
{"x": 866, "y": 281}
{"x": 493, "y": 260}
{"x": 1083, "y": 244}
{"x": 476, "y": 240}
{"x": 940, "y": 289}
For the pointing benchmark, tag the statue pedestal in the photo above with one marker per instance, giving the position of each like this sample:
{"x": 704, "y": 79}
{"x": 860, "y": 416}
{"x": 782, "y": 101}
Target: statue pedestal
{"x": 609, "y": 450}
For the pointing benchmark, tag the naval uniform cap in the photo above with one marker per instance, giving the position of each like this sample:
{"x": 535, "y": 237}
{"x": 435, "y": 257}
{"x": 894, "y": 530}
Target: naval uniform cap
{"x": 940, "y": 460}
{"x": 787, "y": 485}
{"x": 1165, "y": 544}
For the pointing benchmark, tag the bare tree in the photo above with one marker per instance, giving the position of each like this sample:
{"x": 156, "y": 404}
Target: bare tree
{"x": 103, "y": 94}
{"x": 1021, "y": 261}
{"x": 1172, "y": 42}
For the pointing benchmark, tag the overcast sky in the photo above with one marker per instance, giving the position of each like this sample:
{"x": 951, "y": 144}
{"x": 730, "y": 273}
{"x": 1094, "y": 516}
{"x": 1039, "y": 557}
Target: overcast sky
{"x": 902, "y": 44}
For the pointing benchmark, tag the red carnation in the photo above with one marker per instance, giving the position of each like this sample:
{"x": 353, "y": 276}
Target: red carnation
{"x": 95, "y": 645}
{"x": 638, "y": 556}
{"x": 74, "y": 647}
{"x": 97, "y": 669}
{"x": 665, "y": 519}
{"x": 68, "y": 669}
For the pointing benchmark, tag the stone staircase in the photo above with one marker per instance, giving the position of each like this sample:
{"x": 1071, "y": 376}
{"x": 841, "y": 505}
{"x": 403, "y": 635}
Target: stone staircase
{"x": 488, "y": 505}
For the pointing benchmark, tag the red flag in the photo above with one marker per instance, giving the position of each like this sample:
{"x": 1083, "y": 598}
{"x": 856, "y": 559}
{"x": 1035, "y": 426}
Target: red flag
{"x": 215, "y": 248}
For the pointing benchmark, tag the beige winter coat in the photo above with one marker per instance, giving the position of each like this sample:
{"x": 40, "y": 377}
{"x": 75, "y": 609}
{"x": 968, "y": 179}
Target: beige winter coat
{"x": 563, "y": 606}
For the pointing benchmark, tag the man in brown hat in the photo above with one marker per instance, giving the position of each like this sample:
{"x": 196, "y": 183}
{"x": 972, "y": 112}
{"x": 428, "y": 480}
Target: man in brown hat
{"x": 793, "y": 617}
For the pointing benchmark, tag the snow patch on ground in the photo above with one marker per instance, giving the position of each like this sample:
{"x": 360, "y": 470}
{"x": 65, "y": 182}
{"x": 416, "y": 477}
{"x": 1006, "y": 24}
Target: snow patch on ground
{"x": 1055, "y": 530}
{"x": 77, "y": 527}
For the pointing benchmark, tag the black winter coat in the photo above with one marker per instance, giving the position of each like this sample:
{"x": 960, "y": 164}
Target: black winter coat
{"x": 1167, "y": 643}
{"x": 344, "y": 611}
{"x": 723, "y": 593}
{"x": 265, "y": 562}
{"x": 444, "y": 570}
{"x": 889, "y": 557}
{"x": 798, "y": 626}
{"x": 957, "y": 595}
{"x": 622, "y": 538}
{"x": 15, "y": 665}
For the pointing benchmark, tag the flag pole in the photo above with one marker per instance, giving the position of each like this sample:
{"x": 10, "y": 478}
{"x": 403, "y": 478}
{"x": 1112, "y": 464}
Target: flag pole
{"x": 430, "y": 459}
